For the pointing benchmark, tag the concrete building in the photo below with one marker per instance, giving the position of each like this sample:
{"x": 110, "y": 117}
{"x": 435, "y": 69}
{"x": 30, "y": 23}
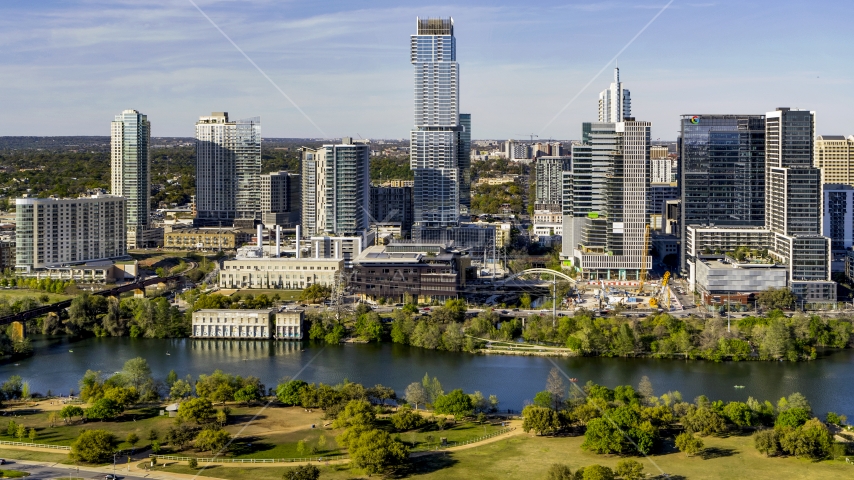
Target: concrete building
{"x": 7, "y": 253}
{"x": 659, "y": 195}
{"x": 130, "y": 172}
{"x": 336, "y": 189}
{"x": 725, "y": 281}
{"x": 288, "y": 324}
{"x": 609, "y": 188}
{"x": 834, "y": 155}
{"x": 426, "y": 272}
{"x": 228, "y": 165}
{"x": 549, "y": 179}
{"x": 435, "y": 140}
{"x": 280, "y": 199}
{"x": 53, "y": 232}
{"x": 237, "y": 324}
{"x": 516, "y": 150}
{"x": 478, "y": 239}
{"x": 208, "y": 238}
{"x": 392, "y": 205}
{"x": 615, "y": 103}
{"x": 284, "y": 273}
{"x": 658, "y": 152}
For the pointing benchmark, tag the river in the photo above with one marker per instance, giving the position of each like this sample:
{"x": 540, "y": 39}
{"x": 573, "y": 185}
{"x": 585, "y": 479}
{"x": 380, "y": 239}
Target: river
{"x": 828, "y": 382}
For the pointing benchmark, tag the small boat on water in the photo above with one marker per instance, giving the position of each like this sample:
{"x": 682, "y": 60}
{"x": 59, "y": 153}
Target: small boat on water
{"x": 167, "y": 353}
{"x": 71, "y": 351}
{"x": 739, "y": 386}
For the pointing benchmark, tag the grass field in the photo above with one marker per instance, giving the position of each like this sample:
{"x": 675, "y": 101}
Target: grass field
{"x": 526, "y": 457}
{"x": 284, "y": 295}
{"x": 14, "y": 294}
{"x": 6, "y": 473}
{"x": 34, "y": 456}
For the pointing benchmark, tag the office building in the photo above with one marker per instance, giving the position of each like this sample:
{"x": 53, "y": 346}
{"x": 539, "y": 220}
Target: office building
{"x": 424, "y": 272}
{"x": 659, "y": 195}
{"x": 609, "y": 187}
{"x": 392, "y": 205}
{"x": 838, "y": 221}
{"x": 834, "y": 155}
{"x": 662, "y": 168}
{"x": 52, "y": 231}
{"x": 336, "y": 189}
{"x": 477, "y": 239}
{"x": 130, "y": 172}
{"x": 206, "y": 238}
{"x": 283, "y": 273}
{"x": 280, "y": 199}
{"x": 228, "y": 166}
{"x": 549, "y": 180}
{"x": 464, "y": 159}
{"x": 615, "y": 103}
{"x": 722, "y": 180}
{"x": 435, "y": 139}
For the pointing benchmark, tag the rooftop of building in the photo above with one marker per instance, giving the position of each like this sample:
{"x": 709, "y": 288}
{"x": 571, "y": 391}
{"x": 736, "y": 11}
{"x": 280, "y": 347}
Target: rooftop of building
{"x": 838, "y": 138}
{"x": 259, "y": 311}
{"x": 836, "y": 186}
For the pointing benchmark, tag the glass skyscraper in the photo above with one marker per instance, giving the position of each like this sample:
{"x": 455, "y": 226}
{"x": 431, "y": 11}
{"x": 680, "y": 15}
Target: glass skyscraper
{"x": 435, "y": 140}
{"x": 722, "y": 163}
{"x": 130, "y": 175}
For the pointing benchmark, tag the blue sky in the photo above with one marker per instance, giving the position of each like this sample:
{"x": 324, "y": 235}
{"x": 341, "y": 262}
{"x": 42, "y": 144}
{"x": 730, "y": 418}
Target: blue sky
{"x": 66, "y": 68}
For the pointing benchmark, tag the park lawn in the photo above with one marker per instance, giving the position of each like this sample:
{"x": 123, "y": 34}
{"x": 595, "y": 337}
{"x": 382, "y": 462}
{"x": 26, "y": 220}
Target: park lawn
{"x": 284, "y": 295}
{"x": 431, "y": 436}
{"x": 139, "y": 421}
{"x": 34, "y": 456}
{"x": 5, "y": 473}
{"x": 12, "y": 295}
{"x": 529, "y": 457}
{"x": 284, "y": 445}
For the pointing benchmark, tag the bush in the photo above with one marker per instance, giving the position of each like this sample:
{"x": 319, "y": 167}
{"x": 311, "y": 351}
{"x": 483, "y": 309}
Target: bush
{"x": 767, "y": 442}
{"x": 405, "y": 419}
{"x": 793, "y": 417}
{"x": 689, "y": 444}
{"x": 305, "y": 472}
{"x": 629, "y": 470}
{"x": 193, "y": 463}
{"x": 559, "y": 471}
{"x": 595, "y": 472}
{"x": 93, "y": 446}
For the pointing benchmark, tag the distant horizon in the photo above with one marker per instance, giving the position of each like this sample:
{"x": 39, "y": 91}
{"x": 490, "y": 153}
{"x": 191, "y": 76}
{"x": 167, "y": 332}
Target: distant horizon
{"x": 343, "y": 68}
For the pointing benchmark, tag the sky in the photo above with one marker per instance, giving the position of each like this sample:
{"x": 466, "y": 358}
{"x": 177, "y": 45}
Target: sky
{"x": 68, "y": 67}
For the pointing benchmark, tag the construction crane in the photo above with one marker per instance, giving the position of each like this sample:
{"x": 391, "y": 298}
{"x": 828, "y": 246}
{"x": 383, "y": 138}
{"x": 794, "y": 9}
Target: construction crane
{"x": 527, "y": 135}
{"x": 644, "y": 256}
{"x": 663, "y": 297}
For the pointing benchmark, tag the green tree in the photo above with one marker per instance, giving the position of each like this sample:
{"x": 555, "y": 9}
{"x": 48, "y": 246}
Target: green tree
{"x": 376, "y": 451}
{"x": 455, "y": 403}
{"x": 247, "y": 394}
{"x": 596, "y": 472}
{"x": 212, "y": 440}
{"x": 602, "y": 436}
{"x": 103, "y": 409}
{"x": 193, "y": 463}
{"x": 198, "y": 410}
{"x": 68, "y": 413}
{"x": 776, "y": 298}
{"x": 629, "y": 470}
{"x": 542, "y": 420}
{"x": 180, "y": 389}
{"x": 406, "y": 419}
{"x": 704, "y": 421}
{"x": 132, "y": 439}
{"x": 315, "y": 293}
{"x": 152, "y": 435}
{"x": 93, "y": 446}
{"x": 767, "y": 441}
{"x": 289, "y": 392}
{"x": 739, "y": 414}
{"x": 793, "y": 417}
{"x": 32, "y": 435}
{"x": 812, "y": 440}
{"x": 137, "y": 372}
{"x": 689, "y": 444}
{"x": 304, "y": 472}
{"x": 559, "y": 471}
{"x": 21, "y": 432}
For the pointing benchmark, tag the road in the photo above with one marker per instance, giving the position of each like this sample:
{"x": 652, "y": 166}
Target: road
{"x": 54, "y": 470}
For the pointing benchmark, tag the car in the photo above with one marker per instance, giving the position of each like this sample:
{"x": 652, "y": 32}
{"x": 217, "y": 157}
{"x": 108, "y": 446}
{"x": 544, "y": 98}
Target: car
{"x": 504, "y": 311}
{"x": 515, "y": 309}
{"x": 426, "y": 309}
{"x": 110, "y": 476}
{"x": 2, "y": 461}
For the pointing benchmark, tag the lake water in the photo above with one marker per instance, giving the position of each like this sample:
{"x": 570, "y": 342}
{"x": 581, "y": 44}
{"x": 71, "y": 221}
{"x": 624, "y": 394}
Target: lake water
{"x": 827, "y": 382}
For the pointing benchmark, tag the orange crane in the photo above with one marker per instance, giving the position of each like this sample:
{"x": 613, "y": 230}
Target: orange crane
{"x": 664, "y": 294}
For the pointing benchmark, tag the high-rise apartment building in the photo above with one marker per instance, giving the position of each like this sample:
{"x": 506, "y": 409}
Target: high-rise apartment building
{"x": 549, "y": 182}
{"x": 838, "y": 216}
{"x": 228, "y": 166}
{"x": 615, "y": 103}
{"x": 609, "y": 188}
{"x": 723, "y": 171}
{"x": 464, "y": 157}
{"x": 834, "y": 155}
{"x": 130, "y": 172}
{"x": 53, "y": 231}
{"x": 516, "y": 150}
{"x": 392, "y": 205}
{"x": 435, "y": 140}
{"x": 280, "y": 199}
{"x": 662, "y": 168}
{"x": 336, "y": 189}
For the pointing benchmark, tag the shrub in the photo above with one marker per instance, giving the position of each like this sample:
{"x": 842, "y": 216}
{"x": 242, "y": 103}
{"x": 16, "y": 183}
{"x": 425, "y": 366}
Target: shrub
{"x": 689, "y": 444}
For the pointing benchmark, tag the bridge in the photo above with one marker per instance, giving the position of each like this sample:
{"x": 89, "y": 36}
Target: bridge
{"x": 540, "y": 271}
{"x": 59, "y": 306}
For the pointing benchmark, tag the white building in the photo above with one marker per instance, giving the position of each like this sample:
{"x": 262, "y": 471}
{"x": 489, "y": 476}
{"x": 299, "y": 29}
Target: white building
{"x": 284, "y": 273}
{"x": 55, "y": 232}
{"x": 615, "y": 103}
{"x": 288, "y": 324}
{"x": 130, "y": 175}
{"x": 228, "y": 166}
{"x": 239, "y": 324}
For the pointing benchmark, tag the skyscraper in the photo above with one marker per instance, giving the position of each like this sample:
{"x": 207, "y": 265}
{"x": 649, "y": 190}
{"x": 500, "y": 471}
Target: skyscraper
{"x": 464, "y": 161}
{"x": 609, "y": 187}
{"x": 130, "y": 175}
{"x": 280, "y": 199}
{"x": 834, "y": 155}
{"x": 435, "y": 140}
{"x": 723, "y": 171}
{"x": 549, "y": 186}
{"x": 338, "y": 202}
{"x": 228, "y": 166}
{"x": 615, "y": 103}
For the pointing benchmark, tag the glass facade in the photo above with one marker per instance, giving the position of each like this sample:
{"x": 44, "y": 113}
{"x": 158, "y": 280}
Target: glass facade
{"x": 722, "y": 163}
